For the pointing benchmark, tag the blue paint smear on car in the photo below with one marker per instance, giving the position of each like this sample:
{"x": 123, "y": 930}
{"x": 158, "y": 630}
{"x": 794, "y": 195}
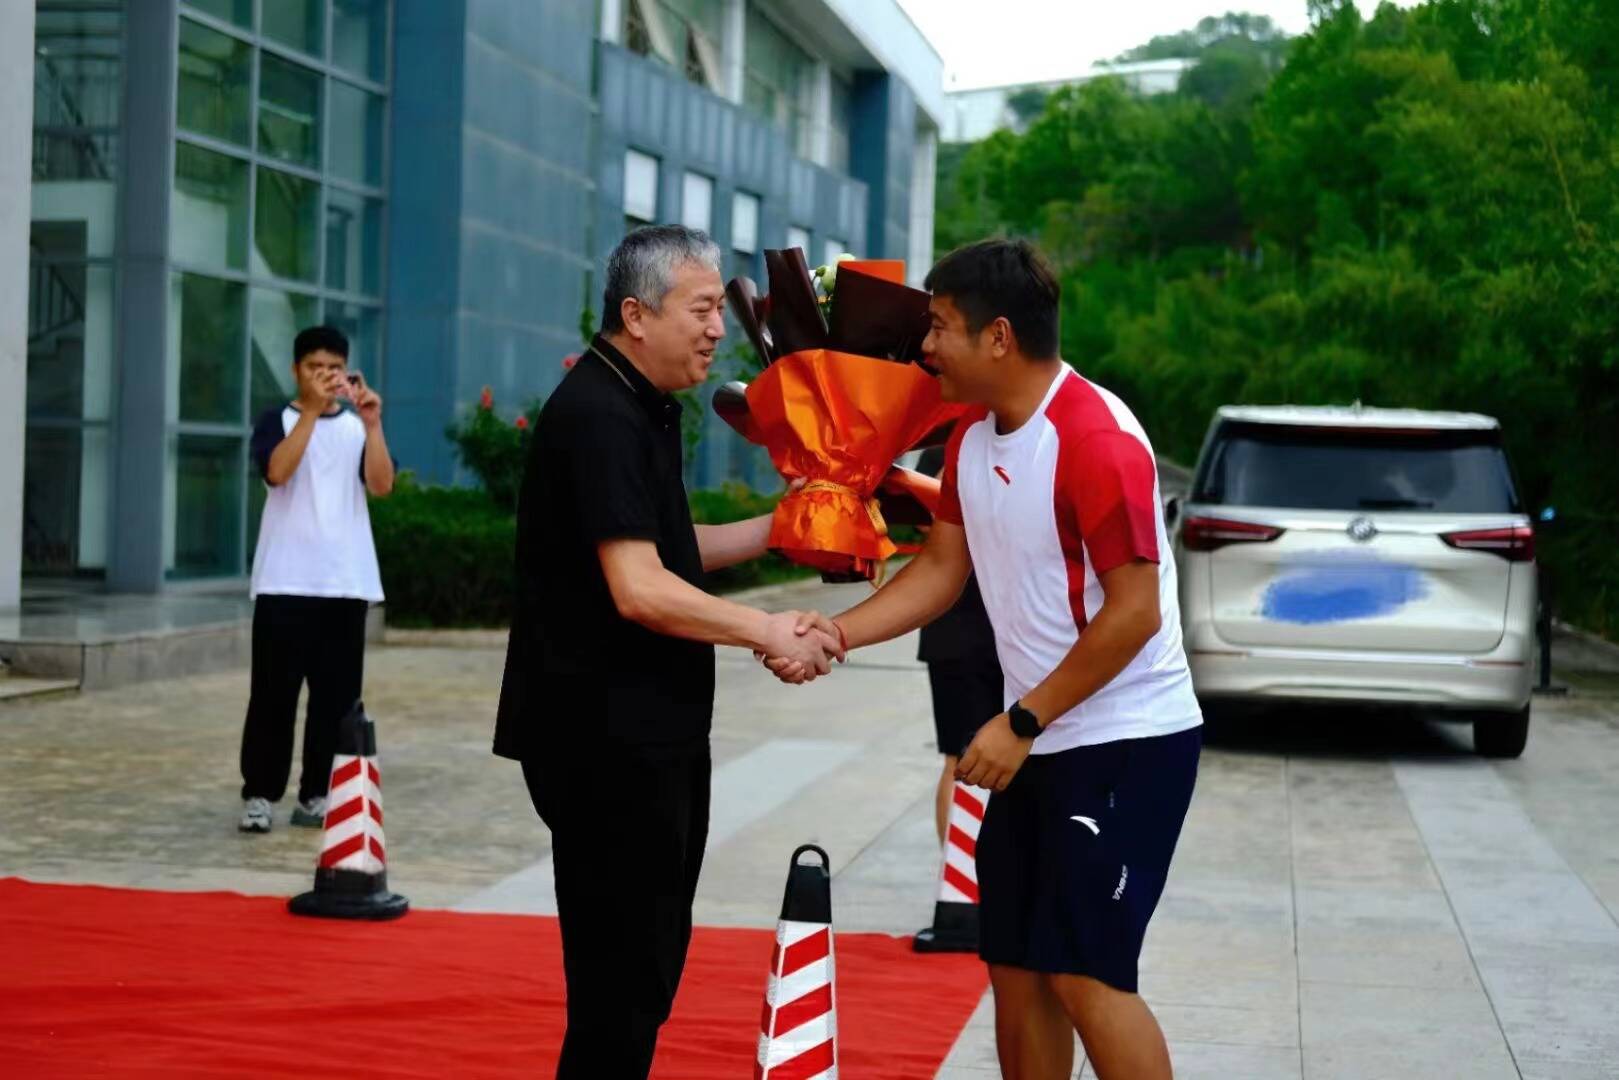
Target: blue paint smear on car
{"x": 1330, "y": 592}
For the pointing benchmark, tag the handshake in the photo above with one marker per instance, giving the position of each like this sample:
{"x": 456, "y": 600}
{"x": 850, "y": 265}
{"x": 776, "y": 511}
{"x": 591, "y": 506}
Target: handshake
{"x": 799, "y": 646}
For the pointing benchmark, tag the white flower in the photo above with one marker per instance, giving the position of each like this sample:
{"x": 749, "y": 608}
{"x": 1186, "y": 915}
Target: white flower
{"x": 826, "y": 276}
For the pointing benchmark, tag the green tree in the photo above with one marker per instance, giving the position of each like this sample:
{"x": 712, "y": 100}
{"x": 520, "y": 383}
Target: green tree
{"x": 1420, "y": 208}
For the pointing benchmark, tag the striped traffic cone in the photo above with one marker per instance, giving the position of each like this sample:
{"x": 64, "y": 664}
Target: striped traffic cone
{"x": 798, "y": 1033}
{"x": 351, "y": 876}
{"x": 955, "y": 916}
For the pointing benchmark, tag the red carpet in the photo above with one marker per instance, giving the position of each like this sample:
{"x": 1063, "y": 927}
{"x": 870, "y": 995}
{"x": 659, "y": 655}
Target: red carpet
{"x": 130, "y": 983}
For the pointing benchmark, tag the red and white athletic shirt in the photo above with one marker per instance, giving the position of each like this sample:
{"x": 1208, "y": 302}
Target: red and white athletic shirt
{"x": 1070, "y": 495}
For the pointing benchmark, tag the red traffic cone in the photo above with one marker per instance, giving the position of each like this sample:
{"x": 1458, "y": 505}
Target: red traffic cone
{"x": 351, "y": 876}
{"x": 799, "y": 1029}
{"x": 955, "y": 916}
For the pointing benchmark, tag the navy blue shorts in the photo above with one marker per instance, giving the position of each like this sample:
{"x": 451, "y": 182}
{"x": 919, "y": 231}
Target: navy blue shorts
{"x": 1073, "y": 855}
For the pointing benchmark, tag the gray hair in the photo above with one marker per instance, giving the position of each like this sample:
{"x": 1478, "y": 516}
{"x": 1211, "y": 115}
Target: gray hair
{"x": 643, "y": 266}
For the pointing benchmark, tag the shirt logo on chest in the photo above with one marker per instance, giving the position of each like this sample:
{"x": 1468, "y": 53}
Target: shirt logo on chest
{"x": 1002, "y": 473}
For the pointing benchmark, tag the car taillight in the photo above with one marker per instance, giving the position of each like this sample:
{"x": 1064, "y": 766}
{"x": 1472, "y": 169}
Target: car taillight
{"x": 1515, "y": 543}
{"x": 1207, "y": 534}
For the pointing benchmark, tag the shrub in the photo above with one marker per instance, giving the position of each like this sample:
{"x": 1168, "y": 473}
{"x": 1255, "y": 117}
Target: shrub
{"x": 494, "y": 450}
{"x": 446, "y": 555}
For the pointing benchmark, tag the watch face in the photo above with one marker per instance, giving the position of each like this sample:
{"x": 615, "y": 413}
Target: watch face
{"x": 1024, "y": 723}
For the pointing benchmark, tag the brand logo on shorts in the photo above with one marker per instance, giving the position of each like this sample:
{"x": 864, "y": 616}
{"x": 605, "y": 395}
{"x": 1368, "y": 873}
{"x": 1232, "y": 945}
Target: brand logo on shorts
{"x": 1000, "y": 472}
{"x": 1124, "y": 875}
{"x": 1089, "y": 823}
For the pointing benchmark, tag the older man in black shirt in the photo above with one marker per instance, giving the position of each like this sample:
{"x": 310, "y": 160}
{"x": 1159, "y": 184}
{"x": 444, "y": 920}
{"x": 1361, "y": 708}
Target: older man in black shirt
{"x": 609, "y": 685}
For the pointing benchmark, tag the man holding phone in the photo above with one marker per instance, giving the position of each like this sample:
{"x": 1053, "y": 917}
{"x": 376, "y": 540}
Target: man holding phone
{"x": 314, "y": 572}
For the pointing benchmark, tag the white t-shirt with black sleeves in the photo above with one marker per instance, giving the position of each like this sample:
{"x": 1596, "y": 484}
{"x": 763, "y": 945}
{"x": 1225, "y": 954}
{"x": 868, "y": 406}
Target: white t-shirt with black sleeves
{"x": 315, "y": 535}
{"x": 1068, "y": 496}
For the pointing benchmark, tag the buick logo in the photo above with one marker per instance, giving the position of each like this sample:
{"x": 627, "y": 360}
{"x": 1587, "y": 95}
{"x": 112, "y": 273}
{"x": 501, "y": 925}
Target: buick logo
{"x": 1361, "y": 530}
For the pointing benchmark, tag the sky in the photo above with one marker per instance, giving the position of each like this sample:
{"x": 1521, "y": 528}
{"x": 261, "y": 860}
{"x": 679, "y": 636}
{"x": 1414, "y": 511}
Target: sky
{"x": 1038, "y": 40}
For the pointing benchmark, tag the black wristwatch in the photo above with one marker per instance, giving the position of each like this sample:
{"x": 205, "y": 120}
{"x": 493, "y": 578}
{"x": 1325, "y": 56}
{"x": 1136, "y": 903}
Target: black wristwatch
{"x": 1025, "y": 725}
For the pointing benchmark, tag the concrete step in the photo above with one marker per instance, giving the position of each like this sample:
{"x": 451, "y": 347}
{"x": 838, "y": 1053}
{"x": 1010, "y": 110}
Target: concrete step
{"x": 20, "y": 687}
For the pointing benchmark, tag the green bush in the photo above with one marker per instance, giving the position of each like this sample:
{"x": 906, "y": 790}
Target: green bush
{"x": 494, "y": 449}
{"x": 1582, "y": 577}
{"x": 446, "y": 555}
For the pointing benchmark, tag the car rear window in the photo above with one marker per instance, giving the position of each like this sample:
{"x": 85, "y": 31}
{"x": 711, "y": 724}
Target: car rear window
{"x": 1307, "y": 468}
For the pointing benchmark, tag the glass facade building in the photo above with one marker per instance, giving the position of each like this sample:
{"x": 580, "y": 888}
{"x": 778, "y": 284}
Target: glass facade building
{"x": 275, "y": 223}
{"x": 441, "y": 179}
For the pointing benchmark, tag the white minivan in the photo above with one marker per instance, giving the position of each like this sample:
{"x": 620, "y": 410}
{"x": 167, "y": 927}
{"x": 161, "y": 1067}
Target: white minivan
{"x": 1360, "y": 555}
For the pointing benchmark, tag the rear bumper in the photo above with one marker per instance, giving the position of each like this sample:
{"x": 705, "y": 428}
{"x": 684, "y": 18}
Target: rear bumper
{"x": 1502, "y": 679}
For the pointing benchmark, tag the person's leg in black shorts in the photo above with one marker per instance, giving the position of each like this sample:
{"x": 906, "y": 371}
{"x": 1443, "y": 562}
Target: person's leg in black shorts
{"x": 1072, "y": 859}
{"x": 966, "y": 695}
{"x": 628, "y": 828}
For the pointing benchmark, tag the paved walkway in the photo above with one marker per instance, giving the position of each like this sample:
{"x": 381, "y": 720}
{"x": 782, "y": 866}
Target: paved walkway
{"x": 1353, "y": 897}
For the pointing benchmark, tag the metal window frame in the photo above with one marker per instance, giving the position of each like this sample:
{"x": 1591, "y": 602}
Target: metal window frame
{"x": 324, "y": 295}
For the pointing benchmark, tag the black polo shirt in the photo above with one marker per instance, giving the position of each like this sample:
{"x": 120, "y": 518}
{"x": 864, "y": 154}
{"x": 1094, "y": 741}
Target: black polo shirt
{"x": 604, "y": 464}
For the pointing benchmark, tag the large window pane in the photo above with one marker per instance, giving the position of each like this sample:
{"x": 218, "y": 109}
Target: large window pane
{"x": 65, "y": 473}
{"x": 356, "y": 151}
{"x": 284, "y": 223}
{"x": 208, "y": 328}
{"x": 296, "y": 23}
{"x": 239, "y": 12}
{"x": 276, "y": 319}
{"x": 697, "y": 202}
{"x": 640, "y": 186}
{"x": 215, "y": 75}
{"x": 682, "y": 33}
{"x": 842, "y": 116}
{"x": 745, "y": 222}
{"x": 353, "y": 242}
{"x": 360, "y": 324}
{"x": 360, "y": 37}
{"x": 289, "y": 112}
{"x": 210, "y": 474}
{"x": 70, "y": 339}
{"x": 208, "y": 222}
{"x": 78, "y": 93}
{"x": 777, "y": 82}
{"x": 77, "y": 67}
{"x": 50, "y": 500}
{"x": 75, "y": 155}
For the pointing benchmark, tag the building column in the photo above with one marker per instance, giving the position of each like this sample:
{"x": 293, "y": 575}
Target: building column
{"x": 882, "y": 152}
{"x": 16, "y": 157}
{"x": 733, "y": 48}
{"x": 920, "y": 259}
{"x": 143, "y": 501}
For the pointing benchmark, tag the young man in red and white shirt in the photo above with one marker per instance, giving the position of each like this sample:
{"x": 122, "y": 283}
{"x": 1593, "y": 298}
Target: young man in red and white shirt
{"x": 1050, "y": 494}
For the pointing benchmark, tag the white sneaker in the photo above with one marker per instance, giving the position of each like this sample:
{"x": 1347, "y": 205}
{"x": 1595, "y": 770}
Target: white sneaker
{"x": 255, "y": 815}
{"x": 310, "y": 813}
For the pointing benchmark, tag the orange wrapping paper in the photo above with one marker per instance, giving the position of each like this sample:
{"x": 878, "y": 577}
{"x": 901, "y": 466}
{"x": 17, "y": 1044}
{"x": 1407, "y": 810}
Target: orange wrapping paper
{"x": 839, "y": 420}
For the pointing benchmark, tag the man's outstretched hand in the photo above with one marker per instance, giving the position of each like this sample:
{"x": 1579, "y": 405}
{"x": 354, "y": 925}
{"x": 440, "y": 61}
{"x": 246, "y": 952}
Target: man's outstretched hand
{"x": 801, "y": 646}
{"x": 994, "y": 756}
{"x": 810, "y": 630}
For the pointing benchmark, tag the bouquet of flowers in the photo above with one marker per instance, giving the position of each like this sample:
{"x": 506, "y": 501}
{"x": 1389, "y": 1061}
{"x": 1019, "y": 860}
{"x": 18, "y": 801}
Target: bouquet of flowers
{"x": 839, "y": 399}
